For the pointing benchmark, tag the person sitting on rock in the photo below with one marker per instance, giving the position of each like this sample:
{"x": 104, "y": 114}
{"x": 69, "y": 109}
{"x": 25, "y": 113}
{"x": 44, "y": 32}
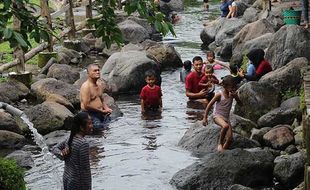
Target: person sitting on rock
{"x": 262, "y": 66}
{"x": 224, "y": 7}
{"x": 187, "y": 66}
{"x": 223, "y": 102}
{"x": 208, "y": 82}
{"x": 193, "y": 90}
{"x": 92, "y": 100}
{"x": 232, "y": 9}
{"x": 151, "y": 94}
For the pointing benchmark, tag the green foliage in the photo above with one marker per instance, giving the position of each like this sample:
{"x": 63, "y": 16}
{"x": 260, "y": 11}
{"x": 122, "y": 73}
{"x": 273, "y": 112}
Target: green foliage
{"x": 31, "y": 26}
{"x": 11, "y": 176}
{"x": 244, "y": 63}
{"x": 106, "y": 25}
{"x": 290, "y": 93}
{"x": 3, "y": 79}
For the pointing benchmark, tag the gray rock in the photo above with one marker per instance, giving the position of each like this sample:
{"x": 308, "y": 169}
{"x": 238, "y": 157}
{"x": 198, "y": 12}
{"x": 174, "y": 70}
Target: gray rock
{"x": 111, "y": 103}
{"x": 242, "y": 125}
{"x": 292, "y": 41}
{"x": 207, "y": 35}
{"x": 49, "y": 116}
{"x": 144, "y": 23}
{"x": 63, "y": 73}
{"x": 11, "y": 140}
{"x": 60, "y": 100}
{"x": 221, "y": 170}
{"x": 279, "y": 137}
{"x": 107, "y": 52}
{"x": 291, "y": 103}
{"x": 258, "y": 134}
{"x": 239, "y": 187}
{"x": 133, "y": 32}
{"x": 12, "y": 91}
{"x": 290, "y": 171}
{"x": 172, "y": 5}
{"x": 124, "y": 71}
{"x": 226, "y": 49}
{"x": 250, "y": 15}
{"x": 22, "y": 158}
{"x": 55, "y": 137}
{"x": 257, "y": 100}
{"x": 291, "y": 149}
{"x": 242, "y": 6}
{"x": 65, "y": 56}
{"x": 7, "y": 122}
{"x": 45, "y": 87}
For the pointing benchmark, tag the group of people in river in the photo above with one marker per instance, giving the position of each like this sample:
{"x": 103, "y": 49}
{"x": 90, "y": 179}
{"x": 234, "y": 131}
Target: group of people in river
{"x": 200, "y": 82}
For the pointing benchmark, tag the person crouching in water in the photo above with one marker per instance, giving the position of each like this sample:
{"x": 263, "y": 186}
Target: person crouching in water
{"x": 187, "y": 67}
{"x": 151, "y": 94}
{"x": 208, "y": 82}
{"x": 223, "y": 101}
{"x": 75, "y": 152}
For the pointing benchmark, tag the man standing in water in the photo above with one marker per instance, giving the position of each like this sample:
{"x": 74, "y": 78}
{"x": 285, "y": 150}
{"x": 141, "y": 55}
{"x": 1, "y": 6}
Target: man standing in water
{"x": 92, "y": 100}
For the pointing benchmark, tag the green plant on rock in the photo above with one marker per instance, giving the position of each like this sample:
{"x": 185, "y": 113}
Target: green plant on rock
{"x": 11, "y": 175}
{"x": 290, "y": 93}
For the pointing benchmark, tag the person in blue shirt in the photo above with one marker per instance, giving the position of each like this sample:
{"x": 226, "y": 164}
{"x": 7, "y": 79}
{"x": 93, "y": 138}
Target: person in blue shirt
{"x": 224, "y": 7}
{"x": 250, "y": 69}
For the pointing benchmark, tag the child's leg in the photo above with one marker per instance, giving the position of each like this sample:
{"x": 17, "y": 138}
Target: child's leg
{"x": 224, "y": 128}
{"x": 229, "y": 137}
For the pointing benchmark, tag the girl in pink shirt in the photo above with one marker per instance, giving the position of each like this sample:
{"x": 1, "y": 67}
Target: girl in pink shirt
{"x": 223, "y": 102}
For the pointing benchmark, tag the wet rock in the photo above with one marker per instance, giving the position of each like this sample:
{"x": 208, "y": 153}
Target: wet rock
{"x": 55, "y": 137}
{"x": 63, "y": 73}
{"x": 258, "y": 134}
{"x": 290, "y": 171}
{"x": 288, "y": 77}
{"x": 22, "y": 158}
{"x": 12, "y": 91}
{"x": 111, "y": 103}
{"x": 291, "y": 149}
{"x": 7, "y": 122}
{"x": 239, "y": 187}
{"x": 279, "y": 137}
{"x": 221, "y": 170}
{"x": 49, "y": 116}
{"x": 257, "y": 100}
{"x": 293, "y": 41}
{"x": 133, "y": 32}
{"x": 11, "y": 140}
{"x": 46, "y": 87}
{"x": 242, "y": 125}
{"x": 124, "y": 71}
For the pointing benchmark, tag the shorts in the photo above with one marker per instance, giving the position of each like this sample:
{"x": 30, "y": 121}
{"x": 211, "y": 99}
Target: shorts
{"x": 99, "y": 120}
{"x": 151, "y": 108}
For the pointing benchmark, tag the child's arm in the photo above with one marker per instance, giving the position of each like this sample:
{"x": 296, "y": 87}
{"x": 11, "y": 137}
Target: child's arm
{"x": 60, "y": 150}
{"x": 142, "y": 106}
{"x": 223, "y": 64}
{"x": 204, "y": 84}
{"x": 215, "y": 80}
{"x": 214, "y": 99}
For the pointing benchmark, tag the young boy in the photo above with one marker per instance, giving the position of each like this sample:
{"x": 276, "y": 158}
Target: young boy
{"x": 151, "y": 94}
{"x": 193, "y": 90}
{"x": 187, "y": 66}
{"x": 208, "y": 81}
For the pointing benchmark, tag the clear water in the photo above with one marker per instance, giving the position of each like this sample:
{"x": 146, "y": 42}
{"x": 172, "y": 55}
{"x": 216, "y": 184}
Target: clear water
{"x": 136, "y": 153}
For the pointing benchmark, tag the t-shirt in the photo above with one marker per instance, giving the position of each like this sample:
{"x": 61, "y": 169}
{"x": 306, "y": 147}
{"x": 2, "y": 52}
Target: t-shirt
{"x": 250, "y": 70}
{"x": 263, "y": 68}
{"x": 192, "y": 82}
{"x": 151, "y": 96}
{"x": 205, "y": 80}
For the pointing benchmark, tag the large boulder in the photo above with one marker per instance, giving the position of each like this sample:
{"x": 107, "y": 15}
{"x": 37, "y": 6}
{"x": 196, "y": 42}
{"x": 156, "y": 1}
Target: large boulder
{"x": 285, "y": 114}
{"x": 124, "y": 71}
{"x": 289, "y": 171}
{"x": 133, "y": 32}
{"x": 258, "y": 134}
{"x": 55, "y": 137}
{"x": 111, "y": 103}
{"x": 63, "y": 73}
{"x": 208, "y": 33}
{"x": 22, "y": 158}
{"x": 7, "y": 122}
{"x": 45, "y": 87}
{"x": 67, "y": 56}
{"x": 292, "y": 41}
{"x": 167, "y": 6}
{"x": 221, "y": 170}
{"x": 242, "y": 125}
{"x": 11, "y": 140}
{"x": 288, "y": 77}
{"x": 250, "y": 15}
{"x": 12, "y": 91}
{"x": 257, "y": 100}
{"x": 239, "y": 187}
{"x": 279, "y": 137}
{"x": 49, "y": 116}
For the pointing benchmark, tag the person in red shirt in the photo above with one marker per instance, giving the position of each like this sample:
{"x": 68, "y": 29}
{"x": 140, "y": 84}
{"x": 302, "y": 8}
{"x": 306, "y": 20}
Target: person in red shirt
{"x": 151, "y": 94}
{"x": 193, "y": 90}
{"x": 262, "y": 66}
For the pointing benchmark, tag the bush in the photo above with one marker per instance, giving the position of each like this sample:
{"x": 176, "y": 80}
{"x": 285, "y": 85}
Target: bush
{"x": 11, "y": 175}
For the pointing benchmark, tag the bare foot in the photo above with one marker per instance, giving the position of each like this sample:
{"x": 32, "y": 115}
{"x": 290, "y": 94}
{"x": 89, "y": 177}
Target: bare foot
{"x": 220, "y": 148}
{"x": 306, "y": 26}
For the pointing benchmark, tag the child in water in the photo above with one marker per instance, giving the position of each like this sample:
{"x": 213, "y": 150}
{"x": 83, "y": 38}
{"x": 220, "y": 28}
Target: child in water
{"x": 151, "y": 94}
{"x": 215, "y": 63}
{"x": 208, "y": 81}
{"x": 187, "y": 66}
{"x": 223, "y": 101}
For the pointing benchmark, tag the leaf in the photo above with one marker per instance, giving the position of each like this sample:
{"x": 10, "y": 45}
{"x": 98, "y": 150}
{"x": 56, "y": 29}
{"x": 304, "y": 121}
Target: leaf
{"x": 158, "y": 26}
{"x": 7, "y": 33}
{"x": 171, "y": 29}
{"x": 19, "y": 38}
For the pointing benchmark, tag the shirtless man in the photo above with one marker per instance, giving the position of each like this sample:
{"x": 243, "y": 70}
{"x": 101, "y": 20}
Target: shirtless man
{"x": 92, "y": 99}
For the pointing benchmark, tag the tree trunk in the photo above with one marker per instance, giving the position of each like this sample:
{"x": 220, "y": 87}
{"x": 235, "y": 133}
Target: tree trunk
{"x": 45, "y": 12}
{"x": 70, "y": 21}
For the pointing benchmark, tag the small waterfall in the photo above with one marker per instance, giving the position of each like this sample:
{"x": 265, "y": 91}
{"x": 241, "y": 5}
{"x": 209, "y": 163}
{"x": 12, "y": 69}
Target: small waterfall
{"x": 47, "y": 156}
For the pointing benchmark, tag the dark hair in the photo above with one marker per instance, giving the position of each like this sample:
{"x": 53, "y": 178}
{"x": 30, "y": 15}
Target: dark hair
{"x": 211, "y": 52}
{"x": 228, "y": 80}
{"x": 197, "y": 58}
{"x": 79, "y": 120}
{"x": 92, "y": 65}
{"x": 208, "y": 66}
{"x": 187, "y": 65}
{"x": 150, "y": 73}
{"x": 256, "y": 56}
{"x": 233, "y": 68}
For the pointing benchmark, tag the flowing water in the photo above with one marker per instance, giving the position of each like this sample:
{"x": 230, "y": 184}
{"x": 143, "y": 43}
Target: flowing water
{"x": 136, "y": 153}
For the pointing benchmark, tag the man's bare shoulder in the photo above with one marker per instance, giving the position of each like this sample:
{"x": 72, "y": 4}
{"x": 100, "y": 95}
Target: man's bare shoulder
{"x": 85, "y": 86}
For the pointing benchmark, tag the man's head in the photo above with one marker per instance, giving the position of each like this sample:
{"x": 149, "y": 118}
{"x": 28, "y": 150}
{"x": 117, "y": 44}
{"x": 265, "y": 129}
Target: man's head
{"x": 93, "y": 71}
{"x": 197, "y": 64}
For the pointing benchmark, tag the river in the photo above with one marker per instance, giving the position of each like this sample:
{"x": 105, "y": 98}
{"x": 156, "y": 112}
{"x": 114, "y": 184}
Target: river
{"x": 139, "y": 154}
